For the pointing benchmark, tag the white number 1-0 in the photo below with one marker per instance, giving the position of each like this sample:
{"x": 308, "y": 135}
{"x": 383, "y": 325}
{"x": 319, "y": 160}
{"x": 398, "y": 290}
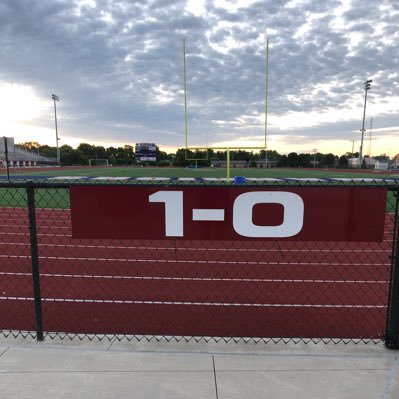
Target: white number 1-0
{"x": 173, "y": 201}
{"x": 242, "y": 213}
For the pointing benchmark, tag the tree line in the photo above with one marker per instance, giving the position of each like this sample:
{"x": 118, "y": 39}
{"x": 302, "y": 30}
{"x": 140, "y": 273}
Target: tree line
{"x": 120, "y": 156}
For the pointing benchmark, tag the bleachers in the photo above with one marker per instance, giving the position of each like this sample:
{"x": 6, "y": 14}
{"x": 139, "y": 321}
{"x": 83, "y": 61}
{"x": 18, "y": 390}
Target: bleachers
{"x": 21, "y": 157}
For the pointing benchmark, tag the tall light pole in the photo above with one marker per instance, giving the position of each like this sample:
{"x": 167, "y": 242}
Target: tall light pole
{"x": 367, "y": 85}
{"x": 56, "y": 98}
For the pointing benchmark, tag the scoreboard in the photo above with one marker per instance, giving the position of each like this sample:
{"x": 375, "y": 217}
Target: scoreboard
{"x": 146, "y": 152}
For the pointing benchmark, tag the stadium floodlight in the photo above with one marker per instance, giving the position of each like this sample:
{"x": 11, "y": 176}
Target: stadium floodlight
{"x": 367, "y": 86}
{"x": 55, "y": 98}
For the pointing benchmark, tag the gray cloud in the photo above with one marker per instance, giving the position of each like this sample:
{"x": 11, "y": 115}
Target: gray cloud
{"x": 118, "y": 66}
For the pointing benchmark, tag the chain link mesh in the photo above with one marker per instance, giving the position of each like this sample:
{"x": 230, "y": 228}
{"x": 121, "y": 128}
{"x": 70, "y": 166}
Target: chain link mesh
{"x": 258, "y": 291}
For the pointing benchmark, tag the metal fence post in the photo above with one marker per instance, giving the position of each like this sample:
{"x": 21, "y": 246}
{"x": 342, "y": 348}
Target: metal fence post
{"x": 392, "y": 331}
{"x": 35, "y": 263}
{"x": 6, "y": 152}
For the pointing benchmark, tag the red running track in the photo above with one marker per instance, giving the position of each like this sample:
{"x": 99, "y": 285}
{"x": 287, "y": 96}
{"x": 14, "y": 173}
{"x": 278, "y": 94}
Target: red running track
{"x": 195, "y": 288}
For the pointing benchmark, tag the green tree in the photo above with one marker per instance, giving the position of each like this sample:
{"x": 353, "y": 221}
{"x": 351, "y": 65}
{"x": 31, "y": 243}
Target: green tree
{"x": 304, "y": 160}
{"x": 182, "y": 155}
{"x": 100, "y": 152}
{"x": 70, "y": 156}
{"x": 292, "y": 160}
{"x": 47, "y": 151}
{"x": 87, "y": 151}
{"x": 327, "y": 160}
{"x": 161, "y": 155}
{"x": 180, "y": 158}
{"x": 272, "y": 155}
{"x": 343, "y": 161}
{"x": 120, "y": 156}
{"x": 282, "y": 161}
{"x": 29, "y": 145}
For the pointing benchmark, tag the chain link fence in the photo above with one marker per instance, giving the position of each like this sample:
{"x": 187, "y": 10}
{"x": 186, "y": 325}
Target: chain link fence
{"x": 54, "y": 285}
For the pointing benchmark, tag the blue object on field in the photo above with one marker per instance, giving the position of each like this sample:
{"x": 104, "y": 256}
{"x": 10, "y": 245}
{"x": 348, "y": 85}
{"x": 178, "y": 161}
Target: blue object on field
{"x": 239, "y": 180}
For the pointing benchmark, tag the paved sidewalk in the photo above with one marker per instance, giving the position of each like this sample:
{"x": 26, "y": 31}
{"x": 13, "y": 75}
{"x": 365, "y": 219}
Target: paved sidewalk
{"x": 122, "y": 369}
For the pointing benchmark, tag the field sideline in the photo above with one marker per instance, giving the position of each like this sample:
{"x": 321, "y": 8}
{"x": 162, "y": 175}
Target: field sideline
{"x": 200, "y": 172}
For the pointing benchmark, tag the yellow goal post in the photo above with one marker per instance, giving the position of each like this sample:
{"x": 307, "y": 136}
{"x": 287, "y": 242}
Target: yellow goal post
{"x": 226, "y": 148}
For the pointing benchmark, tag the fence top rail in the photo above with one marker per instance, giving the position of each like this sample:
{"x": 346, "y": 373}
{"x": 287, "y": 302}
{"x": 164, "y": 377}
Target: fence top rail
{"x": 67, "y": 181}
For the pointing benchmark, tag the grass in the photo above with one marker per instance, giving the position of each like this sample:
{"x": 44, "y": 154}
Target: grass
{"x": 53, "y": 198}
{"x": 201, "y": 172}
{"x": 59, "y": 198}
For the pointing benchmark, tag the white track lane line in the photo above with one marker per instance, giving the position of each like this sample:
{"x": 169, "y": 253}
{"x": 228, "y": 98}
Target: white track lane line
{"x": 387, "y": 251}
{"x": 161, "y": 278}
{"x": 224, "y": 304}
{"x": 194, "y": 261}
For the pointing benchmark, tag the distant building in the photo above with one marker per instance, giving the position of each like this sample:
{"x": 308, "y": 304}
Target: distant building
{"x": 145, "y": 152}
{"x": 381, "y": 165}
{"x": 395, "y": 163}
{"x": 353, "y": 163}
{"x": 262, "y": 163}
{"x": 244, "y": 164}
{"x": 370, "y": 162}
{"x": 233, "y": 164}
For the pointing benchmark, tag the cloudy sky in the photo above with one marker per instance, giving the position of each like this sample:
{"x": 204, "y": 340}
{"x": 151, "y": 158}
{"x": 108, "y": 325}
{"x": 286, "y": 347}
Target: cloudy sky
{"x": 117, "y": 66}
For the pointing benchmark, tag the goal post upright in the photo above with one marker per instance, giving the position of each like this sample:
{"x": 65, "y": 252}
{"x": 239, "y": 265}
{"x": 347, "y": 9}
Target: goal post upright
{"x": 266, "y": 95}
{"x": 185, "y": 113}
{"x": 226, "y": 148}
{"x": 185, "y": 93}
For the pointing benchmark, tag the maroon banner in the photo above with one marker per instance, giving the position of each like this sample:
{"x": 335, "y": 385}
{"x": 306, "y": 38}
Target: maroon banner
{"x": 228, "y": 213}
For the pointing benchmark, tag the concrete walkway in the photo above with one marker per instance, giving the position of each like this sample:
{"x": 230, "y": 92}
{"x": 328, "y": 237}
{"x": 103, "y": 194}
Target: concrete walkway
{"x": 121, "y": 369}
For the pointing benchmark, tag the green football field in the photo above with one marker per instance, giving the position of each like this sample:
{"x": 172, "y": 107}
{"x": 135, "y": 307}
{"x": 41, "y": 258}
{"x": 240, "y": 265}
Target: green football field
{"x": 200, "y": 172}
{"x": 59, "y": 197}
